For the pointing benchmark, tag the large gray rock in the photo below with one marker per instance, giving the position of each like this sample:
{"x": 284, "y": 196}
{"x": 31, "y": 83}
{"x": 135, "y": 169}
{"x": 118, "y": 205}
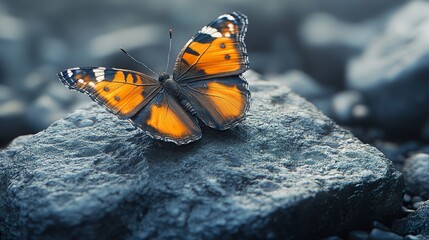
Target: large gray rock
{"x": 416, "y": 223}
{"x": 392, "y": 72}
{"x": 286, "y": 172}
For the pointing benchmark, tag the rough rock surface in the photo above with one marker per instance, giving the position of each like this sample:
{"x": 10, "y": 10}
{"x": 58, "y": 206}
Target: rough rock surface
{"x": 416, "y": 223}
{"x": 416, "y": 174}
{"x": 392, "y": 71}
{"x": 286, "y": 172}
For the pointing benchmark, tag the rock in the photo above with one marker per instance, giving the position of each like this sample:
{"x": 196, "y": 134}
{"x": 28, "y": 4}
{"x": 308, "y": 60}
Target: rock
{"x": 281, "y": 52}
{"x": 14, "y": 49}
{"x": 358, "y": 235}
{"x": 330, "y": 42}
{"x": 392, "y": 72}
{"x": 349, "y": 107}
{"x": 377, "y": 234}
{"x": 139, "y": 36}
{"x": 12, "y": 112}
{"x": 286, "y": 172}
{"x": 300, "y": 83}
{"x": 14, "y": 146}
{"x": 398, "y": 153}
{"x": 48, "y": 99}
{"x": 416, "y": 175}
{"x": 380, "y": 226}
{"x": 412, "y": 237}
{"x": 332, "y": 238}
{"x": 414, "y": 224}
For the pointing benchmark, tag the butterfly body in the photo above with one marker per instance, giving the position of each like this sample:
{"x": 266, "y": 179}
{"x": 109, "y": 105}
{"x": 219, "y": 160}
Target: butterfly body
{"x": 206, "y": 86}
{"x": 174, "y": 89}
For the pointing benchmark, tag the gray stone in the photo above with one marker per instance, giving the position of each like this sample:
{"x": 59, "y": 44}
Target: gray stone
{"x": 43, "y": 111}
{"x": 330, "y": 42}
{"x": 300, "y": 83}
{"x": 349, "y": 107}
{"x": 358, "y": 235}
{"x": 416, "y": 175}
{"x": 414, "y": 224}
{"x": 286, "y": 172}
{"x": 392, "y": 71}
{"x": 377, "y": 234}
{"x": 412, "y": 237}
{"x": 12, "y": 112}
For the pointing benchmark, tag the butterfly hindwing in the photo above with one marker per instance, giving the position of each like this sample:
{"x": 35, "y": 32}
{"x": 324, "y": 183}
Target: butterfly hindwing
{"x": 122, "y": 92}
{"x": 217, "y": 50}
{"x": 163, "y": 118}
{"x": 220, "y": 103}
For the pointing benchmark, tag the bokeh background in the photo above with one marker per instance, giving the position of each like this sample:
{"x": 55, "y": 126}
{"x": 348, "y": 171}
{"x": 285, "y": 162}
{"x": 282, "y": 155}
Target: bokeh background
{"x": 364, "y": 63}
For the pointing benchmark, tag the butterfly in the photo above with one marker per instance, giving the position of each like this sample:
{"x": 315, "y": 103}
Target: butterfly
{"x": 206, "y": 85}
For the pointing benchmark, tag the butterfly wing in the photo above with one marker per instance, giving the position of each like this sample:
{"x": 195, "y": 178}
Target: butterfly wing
{"x": 209, "y": 67}
{"x": 122, "y": 92}
{"x": 220, "y": 103}
{"x": 138, "y": 98}
{"x": 217, "y": 50}
{"x": 163, "y": 118}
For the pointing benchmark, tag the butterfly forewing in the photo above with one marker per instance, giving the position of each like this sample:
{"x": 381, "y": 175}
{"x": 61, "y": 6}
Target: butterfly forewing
{"x": 209, "y": 70}
{"x": 217, "y": 50}
{"x": 163, "y": 118}
{"x": 122, "y": 92}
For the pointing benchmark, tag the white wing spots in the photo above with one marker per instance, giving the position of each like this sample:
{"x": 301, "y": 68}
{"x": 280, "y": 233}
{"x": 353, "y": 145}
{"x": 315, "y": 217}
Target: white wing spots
{"x": 227, "y": 34}
{"x": 99, "y": 73}
{"x": 227, "y": 16}
{"x": 91, "y": 84}
{"x": 211, "y": 31}
{"x": 80, "y": 81}
{"x": 231, "y": 27}
{"x": 70, "y": 73}
{"x": 99, "y": 78}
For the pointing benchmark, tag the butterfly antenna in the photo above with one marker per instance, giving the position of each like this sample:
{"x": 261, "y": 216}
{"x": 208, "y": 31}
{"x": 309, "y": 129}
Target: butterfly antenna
{"x": 169, "y": 50}
{"x": 144, "y": 65}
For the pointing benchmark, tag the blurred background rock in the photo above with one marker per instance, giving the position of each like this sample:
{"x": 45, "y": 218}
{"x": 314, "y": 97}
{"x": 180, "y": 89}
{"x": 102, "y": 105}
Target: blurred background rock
{"x": 364, "y": 63}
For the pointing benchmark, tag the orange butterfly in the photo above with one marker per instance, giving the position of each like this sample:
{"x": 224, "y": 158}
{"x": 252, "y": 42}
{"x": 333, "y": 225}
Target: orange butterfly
{"x": 206, "y": 84}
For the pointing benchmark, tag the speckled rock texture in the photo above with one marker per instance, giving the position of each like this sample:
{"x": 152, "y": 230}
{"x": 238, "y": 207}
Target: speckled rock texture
{"x": 415, "y": 223}
{"x": 416, "y": 174}
{"x": 286, "y": 172}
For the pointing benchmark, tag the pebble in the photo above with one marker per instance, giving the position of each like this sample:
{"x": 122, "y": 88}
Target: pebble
{"x": 349, "y": 107}
{"x": 378, "y": 234}
{"x": 415, "y": 237}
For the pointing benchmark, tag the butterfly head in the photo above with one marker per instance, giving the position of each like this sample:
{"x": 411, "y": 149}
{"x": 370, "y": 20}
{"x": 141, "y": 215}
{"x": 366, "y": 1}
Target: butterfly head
{"x": 163, "y": 77}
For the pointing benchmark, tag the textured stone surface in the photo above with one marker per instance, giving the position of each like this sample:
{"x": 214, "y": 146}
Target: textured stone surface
{"x": 392, "y": 71}
{"x": 416, "y": 174}
{"x": 286, "y": 172}
{"x": 416, "y": 223}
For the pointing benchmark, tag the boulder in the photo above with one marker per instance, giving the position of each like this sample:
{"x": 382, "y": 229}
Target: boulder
{"x": 286, "y": 172}
{"x": 392, "y": 72}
